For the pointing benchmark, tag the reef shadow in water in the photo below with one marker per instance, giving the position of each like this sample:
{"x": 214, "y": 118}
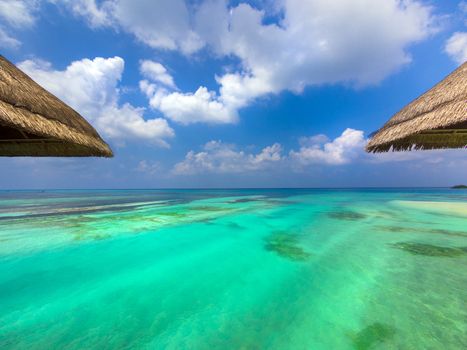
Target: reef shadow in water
{"x": 375, "y": 333}
{"x": 206, "y": 208}
{"x": 245, "y": 200}
{"x": 401, "y": 229}
{"x": 173, "y": 214}
{"x": 234, "y": 225}
{"x": 94, "y": 237}
{"x": 67, "y": 212}
{"x": 346, "y": 215}
{"x": 430, "y": 249}
{"x": 274, "y": 201}
{"x": 286, "y": 246}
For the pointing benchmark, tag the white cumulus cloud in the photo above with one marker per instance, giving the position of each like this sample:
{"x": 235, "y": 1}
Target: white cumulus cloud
{"x": 91, "y": 87}
{"x": 456, "y": 47}
{"x": 315, "y": 152}
{"x": 318, "y": 150}
{"x": 315, "y": 42}
{"x": 188, "y": 108}
{"x": 157, "y": 73}
{"x": 310, "y": 42}
{"x": 218, "y": 157}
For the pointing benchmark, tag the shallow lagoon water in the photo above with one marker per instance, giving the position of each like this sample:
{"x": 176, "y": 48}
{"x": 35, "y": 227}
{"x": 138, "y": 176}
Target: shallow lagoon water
{"x": 233, "y": 269}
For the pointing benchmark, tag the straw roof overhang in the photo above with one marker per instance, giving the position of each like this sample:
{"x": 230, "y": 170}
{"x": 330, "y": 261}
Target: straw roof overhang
{"x": 435, "y": 120}
{"x": 33, "y": 122}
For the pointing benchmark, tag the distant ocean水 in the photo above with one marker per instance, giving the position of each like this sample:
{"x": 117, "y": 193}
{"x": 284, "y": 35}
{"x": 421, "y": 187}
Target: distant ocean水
{"x": 233, "y": 269}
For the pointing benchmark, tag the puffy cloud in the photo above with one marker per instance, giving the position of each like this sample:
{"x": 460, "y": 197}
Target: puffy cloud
{"x": 188, "y": 108}
{"x": 309, "y": 42}
{"x": 313, "y": 42}
{"x": 237, "y": 90}
{"x": 91, "y": 87}
{"x": 320, "y": 41}
{"x": 317, "y": 152}
{"x": 456, "y": 47}
{"x": 156, "y": 72}
{"x": 349, "y": 147}
{"x": 218, "y": 157}
{"x": 341, "y": 150}
{"x": 268, "y": 154}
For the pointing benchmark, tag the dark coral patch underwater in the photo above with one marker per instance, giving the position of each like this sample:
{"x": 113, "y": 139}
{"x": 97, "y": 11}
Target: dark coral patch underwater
{"x": 375, "y": 333}
{"x": 401, "y": 229}
{"x": 346, "y": 215}
{"x": 430, "y": 249}
{"x": 207, "y": 208}
{"x": 174, "y": 214}
{"x": 286, "y": 246}
{"x": 245, "y": 200}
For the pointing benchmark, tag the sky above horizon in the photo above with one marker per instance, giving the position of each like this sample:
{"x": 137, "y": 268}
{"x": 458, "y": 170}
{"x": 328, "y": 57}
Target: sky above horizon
{"x": 214, "y": 93}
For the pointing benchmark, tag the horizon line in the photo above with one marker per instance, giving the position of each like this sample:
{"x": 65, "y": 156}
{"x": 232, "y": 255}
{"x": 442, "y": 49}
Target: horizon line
{"x": 225, "y": 188}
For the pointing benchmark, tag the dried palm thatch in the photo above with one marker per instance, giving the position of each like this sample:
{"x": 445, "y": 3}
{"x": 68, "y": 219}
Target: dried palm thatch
{"x": 33, "y": 122}
{"x": 437, "y": 119}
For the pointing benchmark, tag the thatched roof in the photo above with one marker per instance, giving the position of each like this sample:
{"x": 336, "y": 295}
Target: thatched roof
{"x": 33, "y": 122}
{"x": 437, "y": 119}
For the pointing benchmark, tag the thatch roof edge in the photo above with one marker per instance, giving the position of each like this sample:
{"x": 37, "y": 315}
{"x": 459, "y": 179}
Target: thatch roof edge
{"x": 394, "y": 136}
{"x": 23, "y": 119}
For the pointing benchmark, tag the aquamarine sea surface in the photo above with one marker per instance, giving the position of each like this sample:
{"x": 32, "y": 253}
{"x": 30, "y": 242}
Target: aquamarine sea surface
{"x": 233, "y": 269}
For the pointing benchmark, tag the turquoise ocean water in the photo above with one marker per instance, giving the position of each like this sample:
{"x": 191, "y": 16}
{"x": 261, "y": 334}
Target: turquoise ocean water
{"x": 233, "y": 269}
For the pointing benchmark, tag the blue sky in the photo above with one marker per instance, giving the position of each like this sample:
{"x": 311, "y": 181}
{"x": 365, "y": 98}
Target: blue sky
{"x": 212, "y": 93}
